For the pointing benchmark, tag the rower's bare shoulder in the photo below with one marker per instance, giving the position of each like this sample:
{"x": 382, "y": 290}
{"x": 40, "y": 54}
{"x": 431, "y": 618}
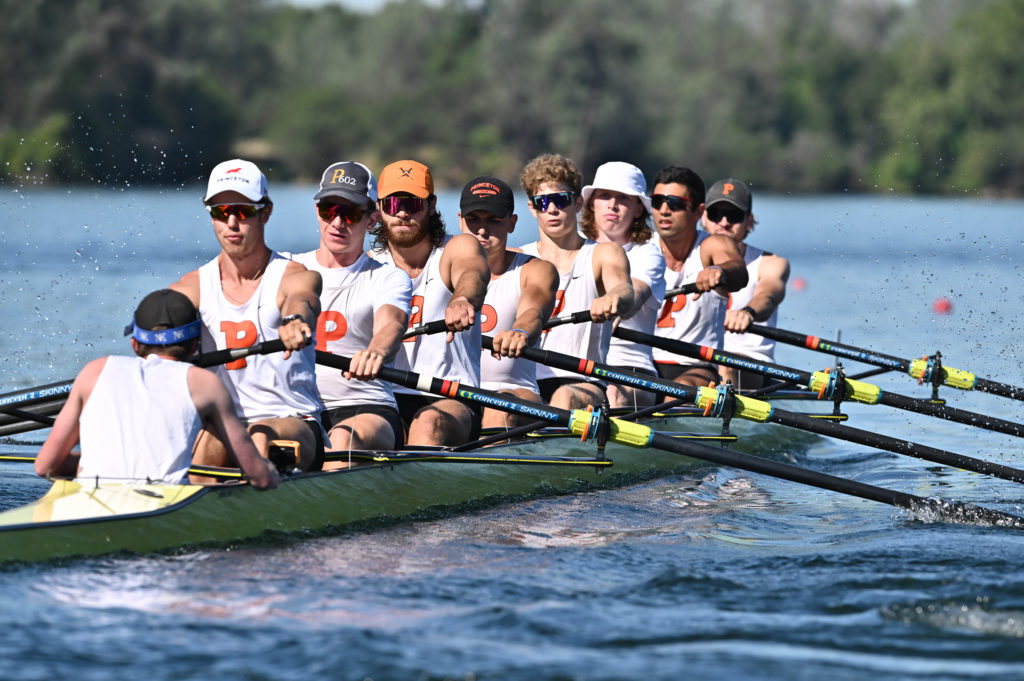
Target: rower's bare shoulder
{"x": 773, "y": 265}
{"x": 188, "y": 285}
{"x": 542, "y": 272}
{"x": 297, "y": 274}
{"x": 464, "y": 245}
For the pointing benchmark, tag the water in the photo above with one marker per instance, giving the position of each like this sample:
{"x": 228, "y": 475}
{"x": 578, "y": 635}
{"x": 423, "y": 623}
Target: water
{"x": 714, "y": 574}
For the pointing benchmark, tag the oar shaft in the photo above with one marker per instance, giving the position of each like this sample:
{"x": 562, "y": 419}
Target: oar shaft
{"x": 587, "y": 367}
{"x": 952, "y": 377}
{"x": 635, "y": 435}
{"x": 892, "y": 444}
{"x": 948, "y": 413}
{"x": 776, "y": 469}
{"x": 28, "y": 396}
{"x": 861, "y": 392}
{"x": 830, "y": 347}
{"x": 780, "y": 416}
{"x": 1002, "y": 389}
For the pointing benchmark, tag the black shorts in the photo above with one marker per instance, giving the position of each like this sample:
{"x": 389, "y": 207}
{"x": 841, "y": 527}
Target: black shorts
{"x": 318, "y": 436}
{"x": 333, "y": 417}
{"x": 409, "y": 405}
{"x": 548, "y": 386}
{"x": 670, "y": 370}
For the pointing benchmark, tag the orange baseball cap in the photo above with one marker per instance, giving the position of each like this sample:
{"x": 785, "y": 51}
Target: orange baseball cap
{"x": 408, "y": 177}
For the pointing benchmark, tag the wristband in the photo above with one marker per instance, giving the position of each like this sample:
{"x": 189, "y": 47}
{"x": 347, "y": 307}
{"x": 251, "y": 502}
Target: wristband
{"x": 289, "y": 319}
{"x": 747, "y": 308}
{"x": 521, "y": 331}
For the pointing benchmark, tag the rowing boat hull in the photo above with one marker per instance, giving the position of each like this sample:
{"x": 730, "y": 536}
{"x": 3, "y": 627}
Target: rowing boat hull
{"x": 78, "y": 520}
{"x": 75, "y": 519}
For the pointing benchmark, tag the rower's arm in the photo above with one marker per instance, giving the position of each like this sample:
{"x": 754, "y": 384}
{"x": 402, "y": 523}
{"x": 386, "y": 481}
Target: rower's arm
{"x": 538, "y": 284}
{"x": 772, "y": 275}
{"x": 389, "y": 325}
{"x": 724, "y": 268}
{"x": 299, "y": 294}
{"x": 465, "y": 271}
{"x": 611, "y": 271}
{"x": 55, "y": 457}
{"x": 218, "y": 413}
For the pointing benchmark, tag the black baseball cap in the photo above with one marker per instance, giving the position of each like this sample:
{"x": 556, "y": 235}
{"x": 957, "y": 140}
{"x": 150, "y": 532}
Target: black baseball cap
{"x": 350, "y": 181}
{"x": 731, "y": 191}
{"x": 487, "y": 193}
{"x": 165, "y": 308}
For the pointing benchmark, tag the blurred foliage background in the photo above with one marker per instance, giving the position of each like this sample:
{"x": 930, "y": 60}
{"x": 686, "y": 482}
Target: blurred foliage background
{"x": 791, "y": 95}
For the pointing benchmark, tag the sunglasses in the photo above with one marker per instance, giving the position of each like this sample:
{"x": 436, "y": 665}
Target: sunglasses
{"x": 675, "y": 203}
{"x": 393, "y": 205}
{"x": 560, "y": 199}
{"x": 730, "y": 213}
{"x": 348, "y": 213}
{"x": 243, "y": 211}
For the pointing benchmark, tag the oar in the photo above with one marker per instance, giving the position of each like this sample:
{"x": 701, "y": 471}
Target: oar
{"x": 826, "y": 384}
{"x": 436, "y": 326}
{"x": 31, "y": 408}
{"x": 636, "y": 435}
{"x": 928, "y": 370}
{"x": 711, "y": 399}
{"x": 584, "y": 315}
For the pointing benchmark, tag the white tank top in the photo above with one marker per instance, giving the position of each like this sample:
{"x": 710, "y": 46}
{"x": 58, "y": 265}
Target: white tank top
{"x": 139, "y": 422}
{"x": 499, "y": 314}
{"x": 646, "y": 264}
{"x": 751, "y": 344}
{"x": 431, "y": 354}
{"x": 351, "y": 297}
{"x": 262, "y": 386}
{"x": 700, "y": 321}
{"x": 577, "y": 289}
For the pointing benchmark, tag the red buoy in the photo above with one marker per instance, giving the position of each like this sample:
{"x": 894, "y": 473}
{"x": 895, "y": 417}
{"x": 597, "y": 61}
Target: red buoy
{"x": 942, "y": 305}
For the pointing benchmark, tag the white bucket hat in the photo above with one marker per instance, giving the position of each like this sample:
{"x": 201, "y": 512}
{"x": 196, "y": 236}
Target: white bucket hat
{"x": 624, "y": 178}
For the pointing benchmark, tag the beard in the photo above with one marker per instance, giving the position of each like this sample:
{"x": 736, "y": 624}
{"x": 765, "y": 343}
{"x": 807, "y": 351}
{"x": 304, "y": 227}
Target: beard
{"x": 404, "y": 238}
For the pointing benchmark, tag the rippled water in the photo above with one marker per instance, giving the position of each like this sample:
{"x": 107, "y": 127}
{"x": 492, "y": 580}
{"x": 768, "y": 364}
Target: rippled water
{"x": 709, "y": 575}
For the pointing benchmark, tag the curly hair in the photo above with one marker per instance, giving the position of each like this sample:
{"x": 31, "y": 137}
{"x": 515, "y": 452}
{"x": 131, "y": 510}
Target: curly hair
{"x": 640, "y": 231}
{"x": 435, "y": 228}
{"x": 551, "y": 169}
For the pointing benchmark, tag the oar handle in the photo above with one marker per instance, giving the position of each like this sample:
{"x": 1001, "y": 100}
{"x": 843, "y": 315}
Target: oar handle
{"x": 216, "y": 357}
{"x": 684, "y": 290}
{"x": 574, "y": 318}
{"x": 436, "y": 326}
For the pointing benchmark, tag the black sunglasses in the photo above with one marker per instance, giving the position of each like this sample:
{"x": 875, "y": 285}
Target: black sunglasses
{"x": 560, "y": 199}
{"x": 675, "y": 203}
{"x": 730, "y": 213}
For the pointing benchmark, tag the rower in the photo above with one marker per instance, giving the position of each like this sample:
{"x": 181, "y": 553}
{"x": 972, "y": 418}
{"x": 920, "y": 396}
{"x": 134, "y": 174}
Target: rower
{"x": 520, "y": 296}
{"x": 449, "y": 278}
{"x": 364, "y": 309}
{"x": 728, "y": 210}
{"x": 616, "y": 210}
{"x": 249, "y": 294}
{"x": 136, "y": 418}
{"x": 592, "y": 277}
{"x": 712, "y": 262}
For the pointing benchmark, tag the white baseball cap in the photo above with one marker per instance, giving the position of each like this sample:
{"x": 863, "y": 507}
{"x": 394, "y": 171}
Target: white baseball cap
{"x": 239, "y": 176}
{"x": 624, "y": 178}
